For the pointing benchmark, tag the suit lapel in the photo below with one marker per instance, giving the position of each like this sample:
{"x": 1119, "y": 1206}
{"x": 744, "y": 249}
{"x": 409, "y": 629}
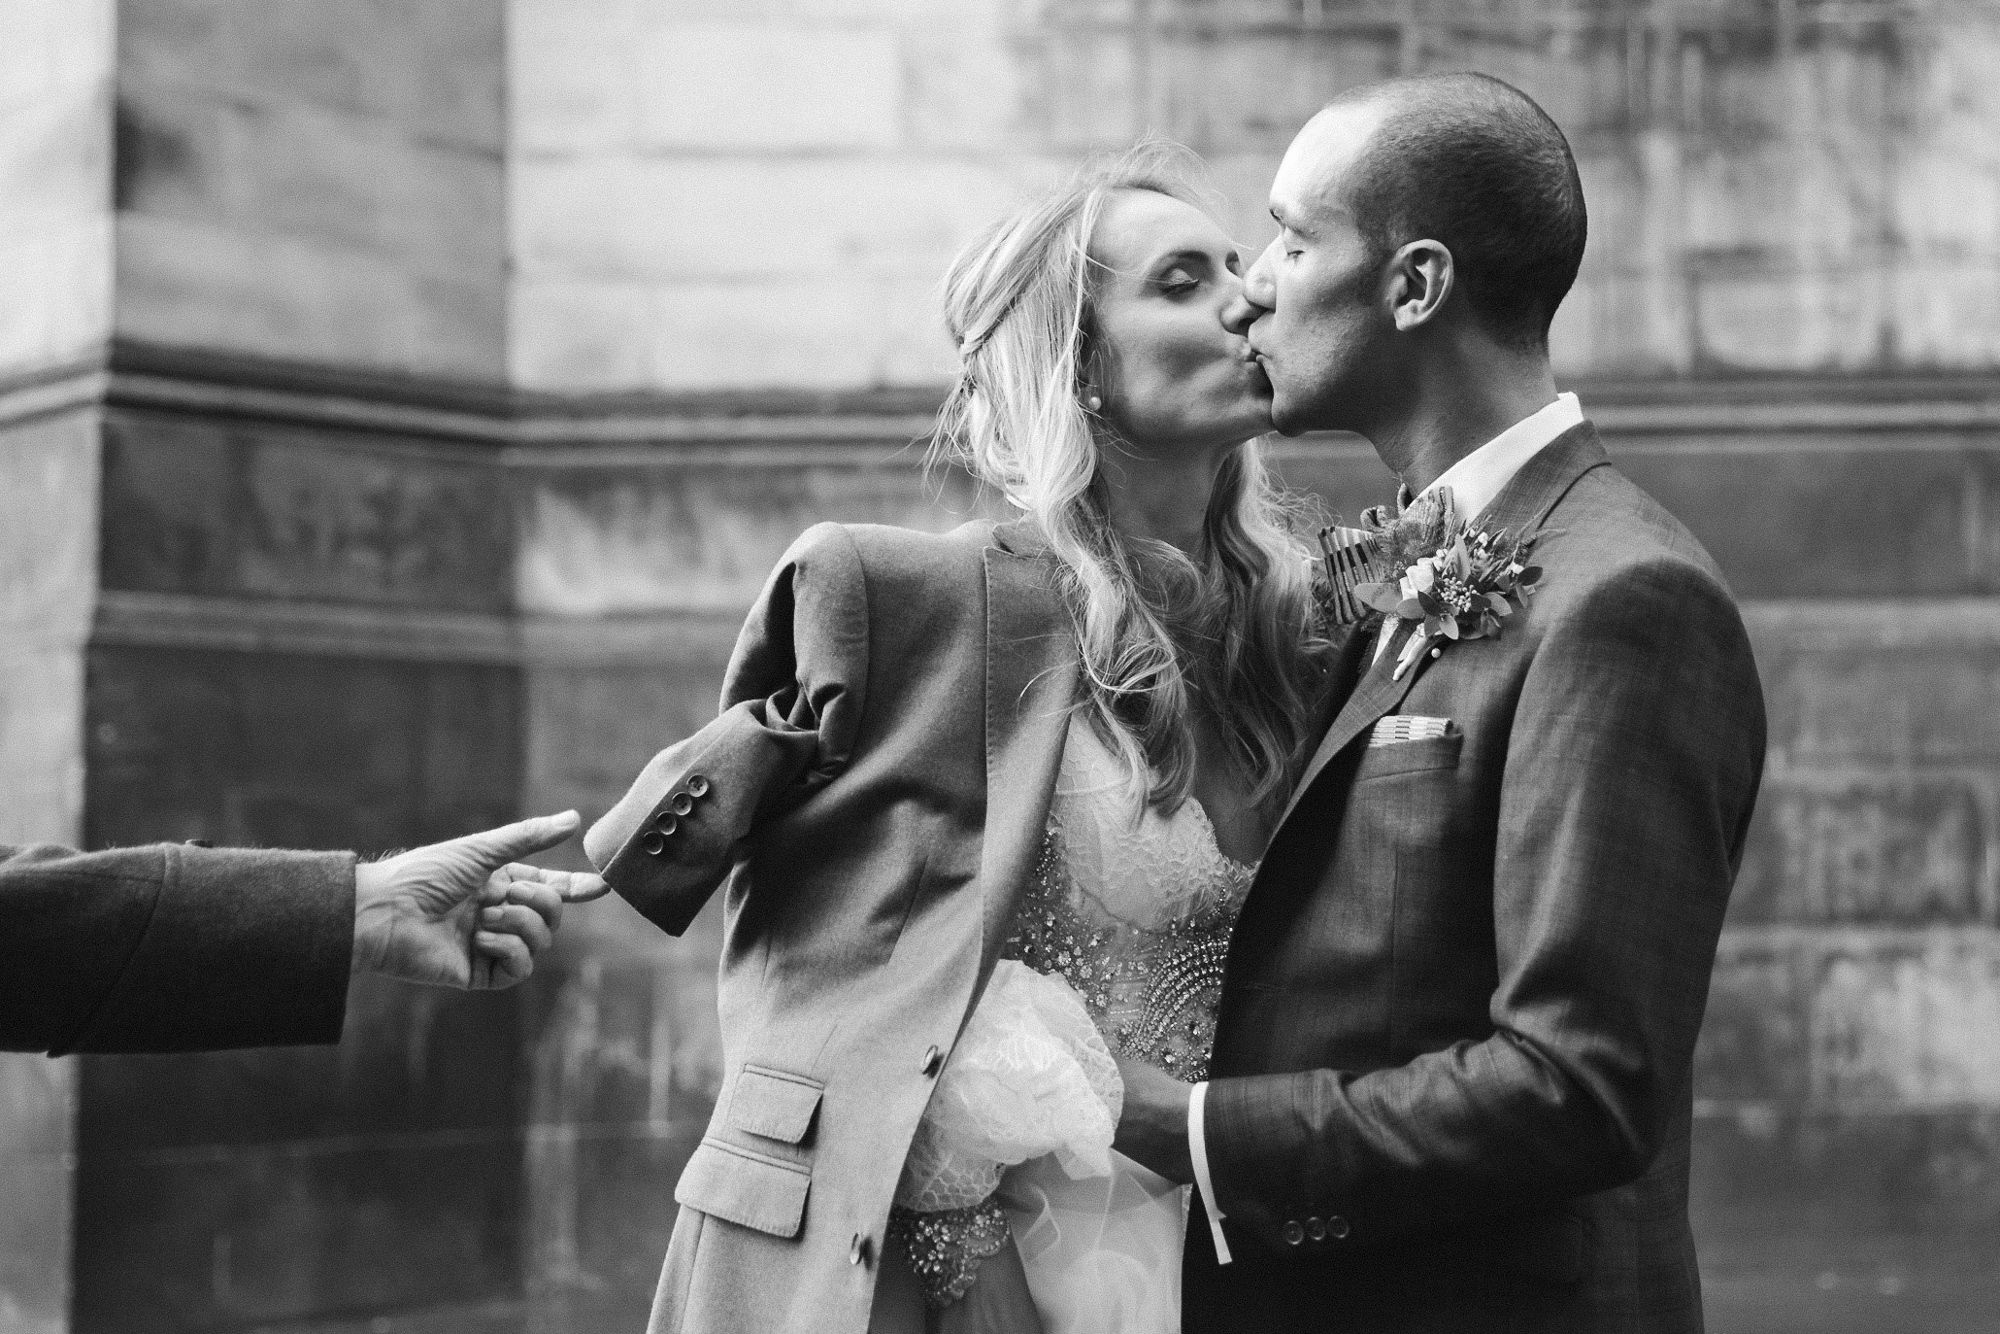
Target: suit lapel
{"x": 1377, "y": 692}
{"x": 1522, "y": 505}
{"x": 1031, "y": 676}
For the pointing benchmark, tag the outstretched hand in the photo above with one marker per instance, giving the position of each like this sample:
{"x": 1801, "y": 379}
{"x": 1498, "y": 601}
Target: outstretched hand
{"x": 462, "y": 913}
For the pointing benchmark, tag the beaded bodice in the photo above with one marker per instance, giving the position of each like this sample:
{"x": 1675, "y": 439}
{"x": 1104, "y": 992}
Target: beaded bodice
{"x": 1135, "y": 915}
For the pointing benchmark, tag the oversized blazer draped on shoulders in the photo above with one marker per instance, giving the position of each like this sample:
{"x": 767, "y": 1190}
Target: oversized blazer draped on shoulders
{"x": 873, "y": 791}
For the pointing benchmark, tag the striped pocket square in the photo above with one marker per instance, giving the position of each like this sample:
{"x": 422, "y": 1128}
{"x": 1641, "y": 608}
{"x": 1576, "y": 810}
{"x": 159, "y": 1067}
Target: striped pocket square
{"x": 1401, "y": 727}
{"x": 1348, "y": 562}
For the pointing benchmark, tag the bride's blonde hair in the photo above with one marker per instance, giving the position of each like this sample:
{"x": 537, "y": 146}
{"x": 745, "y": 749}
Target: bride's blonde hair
{"x": 1232, "y": 626}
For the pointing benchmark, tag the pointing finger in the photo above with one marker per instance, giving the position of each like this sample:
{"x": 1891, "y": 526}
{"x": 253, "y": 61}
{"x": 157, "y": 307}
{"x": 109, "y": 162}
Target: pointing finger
{"x": 508, "y": 843}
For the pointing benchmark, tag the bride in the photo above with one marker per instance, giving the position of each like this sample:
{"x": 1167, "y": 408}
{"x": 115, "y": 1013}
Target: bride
{"x": 988, "y": 803}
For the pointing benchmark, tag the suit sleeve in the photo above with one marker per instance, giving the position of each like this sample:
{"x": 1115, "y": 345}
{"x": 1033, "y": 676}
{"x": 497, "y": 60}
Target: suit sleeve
{"x": 173, "y": 948}
{"x": 1632, "y": 767}
{"x": 791, "y": 709}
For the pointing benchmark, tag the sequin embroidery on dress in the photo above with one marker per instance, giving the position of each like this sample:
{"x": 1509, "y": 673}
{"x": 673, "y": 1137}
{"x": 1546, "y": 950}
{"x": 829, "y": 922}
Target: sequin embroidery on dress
{"x": 1135, "y": 915}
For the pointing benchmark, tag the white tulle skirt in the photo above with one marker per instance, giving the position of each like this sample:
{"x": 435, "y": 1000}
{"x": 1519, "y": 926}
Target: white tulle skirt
{"x": 1101, "y": 1253}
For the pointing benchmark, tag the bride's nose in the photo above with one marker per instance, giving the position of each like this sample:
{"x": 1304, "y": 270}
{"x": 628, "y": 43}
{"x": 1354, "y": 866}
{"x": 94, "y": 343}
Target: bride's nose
{"x": 1253, "y": 297}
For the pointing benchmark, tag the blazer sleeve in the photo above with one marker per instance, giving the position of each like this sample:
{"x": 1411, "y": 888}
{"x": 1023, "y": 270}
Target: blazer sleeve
{"x": 791, "y": 709}
{"x": 173, "y": 948}
{"x": 1632, "y": 767}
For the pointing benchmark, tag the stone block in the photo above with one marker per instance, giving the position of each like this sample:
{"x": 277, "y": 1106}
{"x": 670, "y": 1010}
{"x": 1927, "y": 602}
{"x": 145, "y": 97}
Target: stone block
{"x": 41, "y": 744}
{"x": 1942, "y": 315}
{"x": 198, "y": 1241}
{"x": 37, "y": 1104}
{"x": 772, "y": 86}
{"x": 371, "y": 525}
{"x": 1873, "y": 1021}
{"x": 55, "y": 294}
{"x": 1822, "y": 320}
{"x": 48, "y": 513}
{"x": 55, "y": 162}
{"x": 695, "y": 538}
{"x": 171, "y": 503}
{"x": 592, "y": 728}
{"x": 572, "y": 77}
{"x": 580, "y": 335}
{"x": 281, "y": 751}
{"x": 1248, "y": 91}
{"x": 412, "y": 1061}
{"x": 351, "y": 180}
{"x": 434, "y": 67}
{"x": 1831, "y": 1223}
{"x": 184, "y": 283}
{"x": 1880, "y": 696}
{"x": 1872, "y": 846}
{"x": 778, "y": 333}
{"x": 725, "y": 217}
{"x": 54, "y": 48}
{"x": 1789, "y": 516}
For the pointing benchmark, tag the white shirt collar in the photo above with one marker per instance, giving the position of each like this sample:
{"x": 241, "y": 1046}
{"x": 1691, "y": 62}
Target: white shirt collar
{"x": 1478, "y": 478}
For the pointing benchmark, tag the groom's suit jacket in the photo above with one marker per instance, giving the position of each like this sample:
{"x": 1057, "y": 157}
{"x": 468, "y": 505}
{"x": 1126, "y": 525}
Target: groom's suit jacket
{"x": 874, "y": 791}
{"x": 1451, "y": 1080}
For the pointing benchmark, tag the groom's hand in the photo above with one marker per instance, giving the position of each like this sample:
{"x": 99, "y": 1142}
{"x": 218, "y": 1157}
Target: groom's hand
{"x": 1153, "y": 1127}
{"x": 459, "y": 913}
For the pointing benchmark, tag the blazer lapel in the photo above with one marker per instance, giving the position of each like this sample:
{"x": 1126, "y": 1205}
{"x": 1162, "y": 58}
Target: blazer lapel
{"x": 1031, "y": 676}
{"x": 1374, "y": 695}
{"x": 1522, "y": 505}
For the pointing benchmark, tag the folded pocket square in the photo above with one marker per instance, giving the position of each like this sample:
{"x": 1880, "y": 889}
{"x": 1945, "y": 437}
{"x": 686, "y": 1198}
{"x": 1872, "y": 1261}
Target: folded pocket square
{"x": 1400, "y": 727}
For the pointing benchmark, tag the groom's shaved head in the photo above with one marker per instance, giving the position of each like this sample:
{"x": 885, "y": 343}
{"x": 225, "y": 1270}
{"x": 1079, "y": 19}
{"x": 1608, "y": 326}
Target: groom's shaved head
{"x": 1471, "y": 162}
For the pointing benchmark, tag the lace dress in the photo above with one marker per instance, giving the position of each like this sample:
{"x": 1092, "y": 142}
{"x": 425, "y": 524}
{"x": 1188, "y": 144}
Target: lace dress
{"x": 1118, "y": 947}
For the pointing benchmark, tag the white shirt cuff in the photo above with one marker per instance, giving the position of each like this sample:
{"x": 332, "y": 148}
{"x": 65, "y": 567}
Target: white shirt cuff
{"x": 1198, "y": 1151}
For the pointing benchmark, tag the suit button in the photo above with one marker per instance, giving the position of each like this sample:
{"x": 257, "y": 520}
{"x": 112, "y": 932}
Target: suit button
{"x": 1293, "y": 1233}
{"x": 697, "y": 785}
{"x": 1337, "y": 1226}
{"x": 654, "y": 844}
{"x": 857, "y": 1250}
{"x": 199, "y": 843}
{"x": 1316, "y": 1229}
{"x": 680, "y": 803}
{"x": 666, "y": 824}
{"x": 933, "y": 1058}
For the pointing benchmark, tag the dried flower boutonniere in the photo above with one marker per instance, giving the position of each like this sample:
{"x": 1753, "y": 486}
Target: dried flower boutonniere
{"x": 1454, "y": 581}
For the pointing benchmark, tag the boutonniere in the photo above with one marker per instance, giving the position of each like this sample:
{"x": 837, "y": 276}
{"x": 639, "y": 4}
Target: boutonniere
{"x": 1454, "y": 581}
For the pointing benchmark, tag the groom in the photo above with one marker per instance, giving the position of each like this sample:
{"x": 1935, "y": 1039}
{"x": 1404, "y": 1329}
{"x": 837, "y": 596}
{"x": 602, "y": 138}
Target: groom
{"x": 1451, "y": 1078}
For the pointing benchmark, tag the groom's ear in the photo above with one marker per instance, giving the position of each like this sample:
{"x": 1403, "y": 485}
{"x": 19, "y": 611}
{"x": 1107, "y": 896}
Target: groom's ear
{"x": 1420, "y": 278}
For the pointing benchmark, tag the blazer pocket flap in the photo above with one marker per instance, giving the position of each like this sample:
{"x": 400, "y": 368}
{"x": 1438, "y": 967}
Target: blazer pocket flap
{"x": 745, "y": 1187}
{"x": 774, "y": 1103}
{"x": 1408, "y": 757}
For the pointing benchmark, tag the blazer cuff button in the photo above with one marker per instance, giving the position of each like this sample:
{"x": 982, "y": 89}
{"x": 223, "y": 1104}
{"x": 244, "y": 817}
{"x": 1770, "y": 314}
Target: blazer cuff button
{"x": 697, "y": 785}
{"x": 666, "y": 824}
{"x": 1337, "y": 1227}
{"x": 654, "y": 844}
{"x": 1292, "y": 1232}
{"x": 1316, "y": 1229}
{"x": 680, "y": 803}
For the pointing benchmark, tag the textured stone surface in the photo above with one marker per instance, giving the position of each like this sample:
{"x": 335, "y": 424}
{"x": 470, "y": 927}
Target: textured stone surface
{"x": 319, "y": 182}
{"x": 55, "y": 181}
{"x": 241, "y": 508}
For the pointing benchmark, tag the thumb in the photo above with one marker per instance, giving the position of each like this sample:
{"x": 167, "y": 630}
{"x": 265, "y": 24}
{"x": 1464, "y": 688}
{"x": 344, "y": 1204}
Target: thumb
{"x": 497, "y": 847}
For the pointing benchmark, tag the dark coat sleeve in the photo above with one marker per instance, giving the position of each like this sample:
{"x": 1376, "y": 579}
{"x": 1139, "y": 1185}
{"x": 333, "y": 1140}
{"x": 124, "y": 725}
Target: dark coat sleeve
{"x": 172, "y": 948}
{"x": 791, "y": 709}
{"x": 1632, "y": 766}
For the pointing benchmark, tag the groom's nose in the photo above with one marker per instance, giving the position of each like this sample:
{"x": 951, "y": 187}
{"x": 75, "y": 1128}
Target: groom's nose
{"x": 1257, "y": 295}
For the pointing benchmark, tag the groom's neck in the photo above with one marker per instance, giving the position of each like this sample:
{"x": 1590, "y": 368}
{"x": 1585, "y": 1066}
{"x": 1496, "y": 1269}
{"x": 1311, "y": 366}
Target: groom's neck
{"x": 1461, "y": 397}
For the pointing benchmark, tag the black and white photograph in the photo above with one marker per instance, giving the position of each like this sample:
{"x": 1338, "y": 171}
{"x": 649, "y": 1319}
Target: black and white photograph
{"x": 999, "y": 666}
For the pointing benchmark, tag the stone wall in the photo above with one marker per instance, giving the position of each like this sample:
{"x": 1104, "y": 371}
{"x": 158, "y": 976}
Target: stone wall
{"x": 475, "y": 362}
{"x": 55, "y": 311}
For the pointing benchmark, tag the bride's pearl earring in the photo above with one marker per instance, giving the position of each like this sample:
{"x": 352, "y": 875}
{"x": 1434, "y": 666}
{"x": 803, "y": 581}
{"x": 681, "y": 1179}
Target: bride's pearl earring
{"x": 1095, "y": 403}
